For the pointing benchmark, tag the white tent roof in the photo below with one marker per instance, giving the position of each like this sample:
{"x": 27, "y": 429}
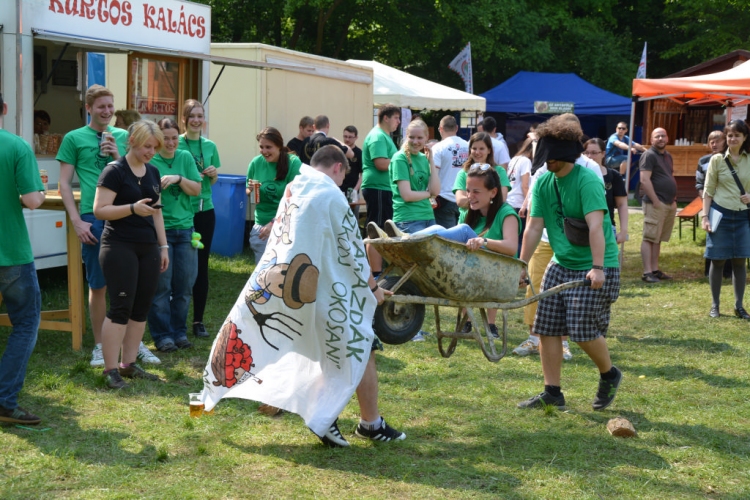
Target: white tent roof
{"x": 409, "y": 91}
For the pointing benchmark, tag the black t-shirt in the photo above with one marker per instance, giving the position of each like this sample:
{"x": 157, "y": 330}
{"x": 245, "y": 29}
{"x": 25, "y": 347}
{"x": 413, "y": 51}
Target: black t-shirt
{"x": 355, "y": 169}
{"x": 295, "y": 146}
{"x": 315, "y": 142}
{"x": 613, "y": 186}
{"x": 118, "y": 177}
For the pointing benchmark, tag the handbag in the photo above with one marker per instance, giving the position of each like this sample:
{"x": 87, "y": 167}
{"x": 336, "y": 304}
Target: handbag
{"x": 739, "y": 184}
{"x": 576, "y": 230}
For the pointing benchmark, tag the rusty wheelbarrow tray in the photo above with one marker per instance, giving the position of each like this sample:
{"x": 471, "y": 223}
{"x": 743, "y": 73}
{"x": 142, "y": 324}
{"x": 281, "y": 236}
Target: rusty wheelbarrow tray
{"x": 440, "y": 272}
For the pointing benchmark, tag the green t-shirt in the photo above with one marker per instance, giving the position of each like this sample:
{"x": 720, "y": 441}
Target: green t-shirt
{"x": 205, "y": 155}
{"x": 178, "y": 206}
{"x": 460, "y": 183}
{"x": 581, "y": 193}
{"x": 377, "y": 144}
{"x": 20, "y": 174}
{"x": 271, "y": 190}
{"x": 496, "y": 229}
{"x": 418, "y": 175}
{"x": 80, "y": 148}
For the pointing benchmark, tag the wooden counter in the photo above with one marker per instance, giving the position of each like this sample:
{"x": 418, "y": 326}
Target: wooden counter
{"x": 685, "y": 158}
{"x": 72, "y": 319}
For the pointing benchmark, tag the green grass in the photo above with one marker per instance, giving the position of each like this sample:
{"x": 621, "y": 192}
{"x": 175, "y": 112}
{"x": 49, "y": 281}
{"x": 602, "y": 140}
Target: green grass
{"x": 686, "y": 390}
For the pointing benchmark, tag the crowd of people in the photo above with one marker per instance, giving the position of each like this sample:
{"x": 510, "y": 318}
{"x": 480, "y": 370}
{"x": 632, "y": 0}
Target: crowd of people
{"x": 146, "y": 192}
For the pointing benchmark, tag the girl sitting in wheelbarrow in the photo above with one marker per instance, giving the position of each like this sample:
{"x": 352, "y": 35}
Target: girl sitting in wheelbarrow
{"x": 489, "y": 222}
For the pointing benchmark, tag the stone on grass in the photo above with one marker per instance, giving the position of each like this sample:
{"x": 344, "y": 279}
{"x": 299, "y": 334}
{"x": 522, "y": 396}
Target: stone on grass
{"x": 621, "y": 427}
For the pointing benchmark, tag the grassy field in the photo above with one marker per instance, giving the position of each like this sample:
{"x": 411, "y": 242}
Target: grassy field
{"x": 686, "y": 390}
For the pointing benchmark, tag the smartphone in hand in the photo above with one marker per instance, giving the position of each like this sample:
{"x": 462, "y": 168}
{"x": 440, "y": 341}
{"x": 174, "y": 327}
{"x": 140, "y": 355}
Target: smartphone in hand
{"x": 158, "y": 205}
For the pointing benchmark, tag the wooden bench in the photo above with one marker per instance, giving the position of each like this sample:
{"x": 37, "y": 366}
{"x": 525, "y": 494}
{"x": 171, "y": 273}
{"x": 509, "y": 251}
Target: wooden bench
{"x": 690, "y": 214}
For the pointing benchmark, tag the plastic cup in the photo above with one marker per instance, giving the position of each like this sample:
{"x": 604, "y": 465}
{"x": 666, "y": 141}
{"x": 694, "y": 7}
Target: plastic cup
{"x": 196, "y": 404}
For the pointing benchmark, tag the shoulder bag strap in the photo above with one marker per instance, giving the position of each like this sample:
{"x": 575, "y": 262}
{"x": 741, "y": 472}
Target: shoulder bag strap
{"x": 736, "y": 179}
{"x": 559, "y": 200}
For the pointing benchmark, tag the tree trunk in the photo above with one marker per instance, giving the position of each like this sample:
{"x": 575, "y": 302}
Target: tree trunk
{"x": 322, "y": 21}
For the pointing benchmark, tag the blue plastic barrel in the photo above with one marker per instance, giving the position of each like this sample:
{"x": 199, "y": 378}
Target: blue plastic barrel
{"x": 229, "y": 205}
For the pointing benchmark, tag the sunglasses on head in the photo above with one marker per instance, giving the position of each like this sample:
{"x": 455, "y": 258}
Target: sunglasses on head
{"x": 480, "y": 167}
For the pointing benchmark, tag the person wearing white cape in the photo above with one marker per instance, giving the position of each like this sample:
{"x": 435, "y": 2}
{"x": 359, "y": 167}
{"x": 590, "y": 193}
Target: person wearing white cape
{"x": 299, "y": 337}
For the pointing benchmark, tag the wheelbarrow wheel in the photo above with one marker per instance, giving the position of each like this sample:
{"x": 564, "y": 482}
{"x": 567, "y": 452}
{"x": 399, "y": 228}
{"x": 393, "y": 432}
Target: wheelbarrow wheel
{"x": 398, "y": 323}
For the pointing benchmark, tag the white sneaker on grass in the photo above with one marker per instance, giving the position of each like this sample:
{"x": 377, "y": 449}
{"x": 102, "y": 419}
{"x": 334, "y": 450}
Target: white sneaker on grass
{"x": 567, "y": 355}
{"x": 527, "y": 347}
{"x": 97, "y": 357}
{"x": 147, "y": 356}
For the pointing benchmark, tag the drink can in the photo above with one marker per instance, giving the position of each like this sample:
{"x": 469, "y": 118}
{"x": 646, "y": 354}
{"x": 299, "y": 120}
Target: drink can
{"x": 45, "y": 178}
{"x": 106, "y": 136}
{"x": 256, "y": 188}
{"x": 196, "y": 404}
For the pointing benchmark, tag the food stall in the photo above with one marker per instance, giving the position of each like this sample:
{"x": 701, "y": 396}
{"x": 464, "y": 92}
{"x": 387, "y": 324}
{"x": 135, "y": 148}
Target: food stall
{"x": 50, "y": 53}
{"x": 689, "y": 108}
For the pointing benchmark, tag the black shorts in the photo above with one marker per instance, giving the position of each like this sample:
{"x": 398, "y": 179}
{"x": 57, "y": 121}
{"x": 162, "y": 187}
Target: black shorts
{"x": 131, "y": 271}
{"x": 379, "y": 206}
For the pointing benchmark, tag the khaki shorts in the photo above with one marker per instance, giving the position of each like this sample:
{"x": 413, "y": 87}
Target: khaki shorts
{"x": 658, "y": 222}
{"x": 535, "y": 270}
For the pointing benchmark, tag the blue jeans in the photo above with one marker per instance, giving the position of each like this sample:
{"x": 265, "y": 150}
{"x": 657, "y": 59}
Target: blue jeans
{"x": 413, "y": 226}
{"x": 90, "y": 253}
{"x": 446, "y": 214}
{"x": 461, "y": 233}
{"x": 167, "y": 319}
{"x": 20, "y": 290}
{"x": 257, "y": 245}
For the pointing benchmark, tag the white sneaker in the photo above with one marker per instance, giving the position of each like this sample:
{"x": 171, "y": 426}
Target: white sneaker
{"x": 97, "y": 357}
{"x": 527, "y": 347}
{"x": 419, "y": 337}
{"x": 147, "y": 356}
{"x": 567, "y": 355}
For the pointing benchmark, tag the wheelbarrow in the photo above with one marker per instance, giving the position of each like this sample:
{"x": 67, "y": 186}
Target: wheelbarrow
{"x": 439, "y": 272}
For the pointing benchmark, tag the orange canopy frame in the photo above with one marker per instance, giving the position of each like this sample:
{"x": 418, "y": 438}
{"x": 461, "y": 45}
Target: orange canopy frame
{"x": 730, "y": 87}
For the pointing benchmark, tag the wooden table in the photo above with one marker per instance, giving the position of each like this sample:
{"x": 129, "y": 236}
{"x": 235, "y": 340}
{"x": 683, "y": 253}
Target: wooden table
{"x": 73, "y": 318}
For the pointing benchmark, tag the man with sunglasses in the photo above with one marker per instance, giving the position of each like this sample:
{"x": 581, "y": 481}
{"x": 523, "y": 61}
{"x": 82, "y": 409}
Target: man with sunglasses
{"x": 617, "y": 149}
{"x": 569, "y": 191}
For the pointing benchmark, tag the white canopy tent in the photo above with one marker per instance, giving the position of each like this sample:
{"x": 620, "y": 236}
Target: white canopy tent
{"x": 408, "y": 91}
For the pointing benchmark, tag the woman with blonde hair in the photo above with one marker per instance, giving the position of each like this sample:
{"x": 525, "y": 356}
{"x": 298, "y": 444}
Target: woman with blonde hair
{"x": 414, "y": 180}
{"x": 134, "y": 249}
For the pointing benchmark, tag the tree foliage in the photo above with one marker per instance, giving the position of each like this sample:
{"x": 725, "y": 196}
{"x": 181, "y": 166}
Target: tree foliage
{"x": 600, "y": 40}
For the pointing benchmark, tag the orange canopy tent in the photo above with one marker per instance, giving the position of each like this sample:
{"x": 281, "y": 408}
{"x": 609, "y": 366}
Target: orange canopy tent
{"x": 730, "y": 87}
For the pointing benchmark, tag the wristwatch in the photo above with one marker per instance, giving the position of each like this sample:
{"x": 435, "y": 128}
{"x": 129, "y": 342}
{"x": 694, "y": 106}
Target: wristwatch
{"x": 599, "y": 268}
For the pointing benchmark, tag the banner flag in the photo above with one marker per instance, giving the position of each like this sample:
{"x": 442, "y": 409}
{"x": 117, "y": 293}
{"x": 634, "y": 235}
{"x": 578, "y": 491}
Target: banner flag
{"x": 300, "y": 333}
{"x": 642, "y": 66}
{"x": 461, "y": 64}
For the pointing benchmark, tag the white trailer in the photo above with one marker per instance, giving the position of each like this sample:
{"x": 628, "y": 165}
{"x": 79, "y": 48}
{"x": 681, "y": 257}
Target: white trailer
{"x": 153, "y": 54}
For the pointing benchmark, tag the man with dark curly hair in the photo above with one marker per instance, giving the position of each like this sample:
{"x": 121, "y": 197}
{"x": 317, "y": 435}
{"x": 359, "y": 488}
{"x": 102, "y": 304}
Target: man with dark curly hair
{"x": 566, "y": 193}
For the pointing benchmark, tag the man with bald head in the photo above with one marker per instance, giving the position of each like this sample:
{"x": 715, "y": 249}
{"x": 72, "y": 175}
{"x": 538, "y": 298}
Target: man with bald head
{"x": 659, "y": 195}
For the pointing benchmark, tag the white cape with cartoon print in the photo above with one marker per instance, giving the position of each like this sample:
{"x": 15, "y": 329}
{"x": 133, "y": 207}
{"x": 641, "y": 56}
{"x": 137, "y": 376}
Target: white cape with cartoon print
{"x": 300, "y": 334}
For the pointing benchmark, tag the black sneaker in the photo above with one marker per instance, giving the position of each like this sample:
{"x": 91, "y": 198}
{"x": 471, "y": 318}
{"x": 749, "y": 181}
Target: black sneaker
{"x": 544, "y": 399}
{"x": 113, "y": 379}
{"x": 493, "y": 331}
{"x": 384, "y": 433}
{"x": 607, "y": 391}
{"x": 467, "y": 327}
{"x": 333, "y": 438}
{"x": 183, "y": 344}
{"x": 18, "y": 416}
{"x": 199, "y": 330}
{"x": 167, "y": 346}
{"x": 135, "y": 371}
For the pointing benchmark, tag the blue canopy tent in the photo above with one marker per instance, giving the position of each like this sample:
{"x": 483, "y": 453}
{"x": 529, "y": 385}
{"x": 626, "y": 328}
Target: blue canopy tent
{"x": 518, "y": 94}
{"x": 597, "y": 109}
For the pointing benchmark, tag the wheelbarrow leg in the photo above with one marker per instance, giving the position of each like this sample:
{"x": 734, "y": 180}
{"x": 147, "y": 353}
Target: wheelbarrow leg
{"x": 439, "y": 334}
{"x": 491, "y": 353}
